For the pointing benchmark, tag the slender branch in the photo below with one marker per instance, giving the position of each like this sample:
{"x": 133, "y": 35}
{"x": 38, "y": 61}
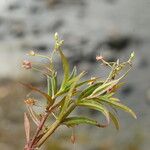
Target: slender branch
{"x": 55, "y": 125}
{"x": 41, "y": 125}
{"x": 51, "y": 129}
{"x": 38, "y": 130}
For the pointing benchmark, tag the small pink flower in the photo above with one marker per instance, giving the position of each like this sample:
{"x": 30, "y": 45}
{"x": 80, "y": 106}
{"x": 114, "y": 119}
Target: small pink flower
{"x": 26, "y": 64}
{"x": 99, "y": 58}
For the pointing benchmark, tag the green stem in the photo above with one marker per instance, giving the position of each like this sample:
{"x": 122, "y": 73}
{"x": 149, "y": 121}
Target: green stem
{"x": 55, "y": 125}
{"x": 66, "y": 113}
{"x": 50, "y": 131}
{"x": 43, "y": 56}
{"x": 49, "y": 58}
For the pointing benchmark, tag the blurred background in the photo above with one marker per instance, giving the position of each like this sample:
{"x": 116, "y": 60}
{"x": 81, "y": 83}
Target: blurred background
{"x": 113, "y": 28}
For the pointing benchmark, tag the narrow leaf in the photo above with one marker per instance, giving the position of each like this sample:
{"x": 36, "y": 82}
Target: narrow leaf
{"x": 88, "y": 91}
{"x": 54, "y": 84}
{"x": 73, "y": 73}
{"x": 88, "y": 81}
{"x": 49, "y": 86}
{"x": 106, "y": 96}
{"x": 114, "y": 99}
{"x": 70, "y": 92}
{"x": 105, "y": 87}
{"x": 115, "y": 120}
{"x": 95, "y": 105}
{"x": 67, "y": 86}
{"x": 120, "y": 106}
{"x": 73, "y": 121}
{"x": 65, "y": 67}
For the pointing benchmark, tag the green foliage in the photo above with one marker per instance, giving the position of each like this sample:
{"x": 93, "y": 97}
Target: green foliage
{"x": 96, "y": 106}
{"x": 115, "y": 120}
{"x": 72, "y": 93}
{"x": 73, "y": 121}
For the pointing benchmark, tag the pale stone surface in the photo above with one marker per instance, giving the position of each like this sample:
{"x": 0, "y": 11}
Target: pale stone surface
{"x": 89, "y": 27}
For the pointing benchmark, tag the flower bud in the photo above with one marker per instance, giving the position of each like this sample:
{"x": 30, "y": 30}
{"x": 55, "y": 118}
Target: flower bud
{"x": 56, "y": 36}
{"x": 61, "y": 42}
{"x": 132, "y": 55}
{"x": 31, "y": 53}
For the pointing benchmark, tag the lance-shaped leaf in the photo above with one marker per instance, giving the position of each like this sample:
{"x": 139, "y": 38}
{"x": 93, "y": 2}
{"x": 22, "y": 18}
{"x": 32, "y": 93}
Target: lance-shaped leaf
{"x": 27, "y": 127}
{"x": 105, "y": 87}
{"x": 65, "y": 67}
{"x": 73, "y": 73}
{"x": 54, "y": 84}
{"x": 106, "y": 96}
{"x": 96, "y": 106}
{"x": 114, "y": 120}
{"x": 49, "y": 99}
{"x": 89, "y": 81}
{"x": 88, "y": 91}
{"x": 114, "y": 99}
{"x": 120, "y": 106}
{"x": 73, "y": 121}
{"x": 68, "y": 85}
{"x": 70, "y": 92}
{"x": 49, "y": 86}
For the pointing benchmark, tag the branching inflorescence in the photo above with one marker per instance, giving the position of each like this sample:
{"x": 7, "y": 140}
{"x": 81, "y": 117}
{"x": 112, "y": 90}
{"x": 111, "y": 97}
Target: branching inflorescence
{"x": 72, "y": 92}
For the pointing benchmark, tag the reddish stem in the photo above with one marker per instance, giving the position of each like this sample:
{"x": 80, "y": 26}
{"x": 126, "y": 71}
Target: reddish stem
{"x": 31, "y": 145}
